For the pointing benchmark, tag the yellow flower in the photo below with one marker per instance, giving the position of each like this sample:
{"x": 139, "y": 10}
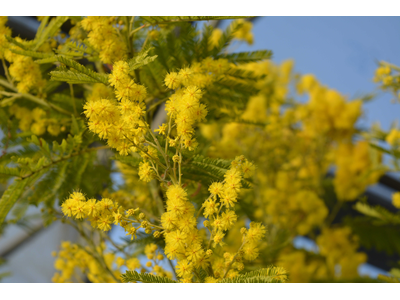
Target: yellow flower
{"x": 393, "y": 138}
{"x": 396, "y": 199}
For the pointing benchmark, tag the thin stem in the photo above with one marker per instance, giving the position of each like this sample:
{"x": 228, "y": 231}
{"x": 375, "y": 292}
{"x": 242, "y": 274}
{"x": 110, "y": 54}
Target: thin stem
{"x": 6, "y": 72}
{"x": 172, "y": 267}
{"x": 115, "y": 245}
{"x": 136, "y": 30}
{"x": 179, "y": 165}
{"x": 153, "y": 106}
{"x": 233, "y": 259}
{"x": 32, "y": 98}
{"x": 8, "y": 85}
{"x": 334, "y": 212}
{"x": 62, "y": 159}
{"x": 154, "y": 192}
{"x": 99, "y": 259}
{"x": 128, "y": 37}
{"x": 163, "y": 154}
{"x": 71, "y": 88}
{"x": 167, "y": 137}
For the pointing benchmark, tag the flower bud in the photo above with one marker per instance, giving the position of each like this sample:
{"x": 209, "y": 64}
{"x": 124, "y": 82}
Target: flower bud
{"x": 144, "y": 224}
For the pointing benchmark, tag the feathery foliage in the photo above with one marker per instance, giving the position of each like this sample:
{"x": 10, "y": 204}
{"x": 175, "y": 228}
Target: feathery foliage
{"x": 271, "y": 274}
{"x": 134, "y": 276}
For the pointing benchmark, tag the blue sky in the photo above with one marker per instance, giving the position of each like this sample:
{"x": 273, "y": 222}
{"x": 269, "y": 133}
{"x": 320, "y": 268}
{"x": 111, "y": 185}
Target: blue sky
{"x": 341, "y": 51}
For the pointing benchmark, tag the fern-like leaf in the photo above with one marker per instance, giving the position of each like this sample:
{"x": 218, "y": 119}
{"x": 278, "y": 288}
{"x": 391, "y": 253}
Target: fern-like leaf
{"x": 79, "y": 74}
{"x": 9, "y": 171}
{"x": 12, "y": 194}
{"x": 266, "y": 275}
{"x": 208, "y": 170}
{"x": 246, "y": 57}
{"x": 141, "y": 59}
{"x": 378, "y": 212}
{"x": 46, "y": 60}
{"x": 49, "y": 31}
{"x": 33, "y": 54}
{"x": 134, "y": 276}
{"x": 16, "y": 43}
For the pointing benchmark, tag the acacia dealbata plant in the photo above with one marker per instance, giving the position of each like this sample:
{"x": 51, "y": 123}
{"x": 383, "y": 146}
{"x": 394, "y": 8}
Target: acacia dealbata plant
{"x": 220, "y": 167}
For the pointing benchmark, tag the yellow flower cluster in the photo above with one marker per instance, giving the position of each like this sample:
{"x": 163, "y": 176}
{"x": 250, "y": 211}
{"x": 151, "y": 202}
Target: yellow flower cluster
{"x": 103, "y": 36}
{"x": 121, "y": 123}
{"x": 185, "y": 109}
{"x": 339, "y": 247}
{"x": 215, "y": 37}
{"x": 299, "y": 210}
{"x": 35, "y": 120}
{"x": 357, "y": 167}
{"x": 301, "y": 268}
{"x": 184, "y": 106}
{"x": 4, "y": 30}
{"x": 73, "y": 261}
{"x": 102, "y": 214}
{"x": 294, "y": 151}
{"x": 181, "y": 234}
{"x": 327, "y": 111}
{"x": 338, "y": 258}
{"x": 389, "y": 77}
{"x": 244, "y": 32}
{"x": 199, "y": 74}
{"x": 24, "y": 70}
{"x": 155, "y": 257}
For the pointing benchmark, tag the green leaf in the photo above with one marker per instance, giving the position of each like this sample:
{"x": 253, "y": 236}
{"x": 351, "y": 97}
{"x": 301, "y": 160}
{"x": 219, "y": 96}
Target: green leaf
{"x": 78, "y": 74}
{"x": 46, "y": 60}
{"x": 134, "y": 276}
{"x": 383, "y": 149}
{"x": 380, "y": 237}
{"x": 246, "y": 57}
{"x": 208, "y": 170}
{"x": 16, "y": 43}
{"x": 81, "y": 48}
{"x": 57, "y": 180}
{"x": 141, "y": 59}
{"x": 49, "y": 31}
{"x": 12, "y": 194}
{"x": 128, "y": 160}
{"x": 42, "y": 26}
{"x": 378, "y": 212}
{"x": 33, "y": 54}
{"x": 266, "y": 275}
{"x": 9, "y": 171}
{"x": 71, "y": 77}
{"x": 244, "y": 74}
{"x": 226, "y": 38}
